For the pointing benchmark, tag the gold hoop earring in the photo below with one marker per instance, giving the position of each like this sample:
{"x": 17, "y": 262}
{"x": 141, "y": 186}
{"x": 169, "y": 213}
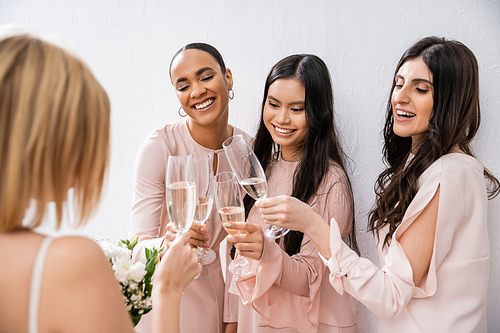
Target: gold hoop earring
{"x": 231, "y": 94}
{"x": 179, "y": 112}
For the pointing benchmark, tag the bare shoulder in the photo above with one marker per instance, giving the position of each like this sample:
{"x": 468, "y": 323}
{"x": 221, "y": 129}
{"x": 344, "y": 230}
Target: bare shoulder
{"x": 77, "y": 242}
{"x": 80, "y": 291}
{"x": 76, "y": 263}
{"x": 79, "y": 263}
{"x": 76, "y": 251}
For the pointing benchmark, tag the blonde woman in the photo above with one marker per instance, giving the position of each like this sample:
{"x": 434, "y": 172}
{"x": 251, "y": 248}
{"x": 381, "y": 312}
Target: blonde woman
{"x": 54, "y": 135}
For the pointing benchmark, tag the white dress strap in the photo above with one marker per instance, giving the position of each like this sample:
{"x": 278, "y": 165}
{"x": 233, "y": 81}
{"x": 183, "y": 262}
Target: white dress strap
{"x": 36, "y": 283}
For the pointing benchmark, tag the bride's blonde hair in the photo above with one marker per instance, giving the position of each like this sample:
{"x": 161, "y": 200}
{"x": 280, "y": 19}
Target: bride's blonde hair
{"x": 54, "y": 131}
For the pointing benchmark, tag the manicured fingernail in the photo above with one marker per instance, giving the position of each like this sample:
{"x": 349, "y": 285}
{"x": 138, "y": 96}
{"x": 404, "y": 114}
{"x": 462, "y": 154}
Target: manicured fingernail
{"x": 226, "y": 225}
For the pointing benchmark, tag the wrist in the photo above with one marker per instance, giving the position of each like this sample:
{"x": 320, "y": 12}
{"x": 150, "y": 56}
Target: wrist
{"x": 315, "y": 226}
{"x": 318, "y": 232}
{"x": 162, "y": 290}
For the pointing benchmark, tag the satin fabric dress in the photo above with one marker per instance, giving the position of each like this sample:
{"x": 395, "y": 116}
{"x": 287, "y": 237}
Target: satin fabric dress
{"x": 292, "y": 294}
{"x": 205, "y": 305}
{"x": 452, "y": 296}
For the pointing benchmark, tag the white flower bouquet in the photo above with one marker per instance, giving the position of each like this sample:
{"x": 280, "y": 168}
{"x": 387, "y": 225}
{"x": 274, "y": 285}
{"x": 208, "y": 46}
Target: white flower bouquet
{"x": 134, "y": 277}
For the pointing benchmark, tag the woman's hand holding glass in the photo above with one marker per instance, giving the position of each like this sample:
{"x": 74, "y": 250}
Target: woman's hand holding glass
{"x": 199, "y": 236}
{"x": 249, "y": 240}
{"x": 288, "y": 212}
{"x": 178, "y": 266}
{"x": 231, "y": 209}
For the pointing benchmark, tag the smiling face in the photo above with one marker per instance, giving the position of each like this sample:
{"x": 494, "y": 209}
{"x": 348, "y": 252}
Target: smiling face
{"x": 412, "y": 100}
{"x": 201, "y": 87}
{"x": 285, "y": 116}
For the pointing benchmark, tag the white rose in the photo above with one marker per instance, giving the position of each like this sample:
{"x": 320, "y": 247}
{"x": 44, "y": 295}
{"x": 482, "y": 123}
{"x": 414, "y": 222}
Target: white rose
{"x": 137, "y": 271}
{"x": 122, "y": 268}
{"x": 111, "y": 250}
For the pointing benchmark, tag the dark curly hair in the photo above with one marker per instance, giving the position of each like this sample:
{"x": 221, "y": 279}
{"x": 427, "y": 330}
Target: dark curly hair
{"x": 454, "y": 121}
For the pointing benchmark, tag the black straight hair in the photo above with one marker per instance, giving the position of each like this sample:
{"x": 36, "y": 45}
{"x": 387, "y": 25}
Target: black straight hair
{"x": 321, "y": 145}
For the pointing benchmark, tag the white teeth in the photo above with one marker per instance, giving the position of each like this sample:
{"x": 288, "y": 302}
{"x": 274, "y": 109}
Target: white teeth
{"x": 405, "y": 114}
{"x": 204, "y": 105}
{"x": 283, "y": 130}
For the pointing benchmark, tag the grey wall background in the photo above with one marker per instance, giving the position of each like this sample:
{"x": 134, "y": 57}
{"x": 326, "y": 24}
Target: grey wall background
{"x": 128, "y": 44}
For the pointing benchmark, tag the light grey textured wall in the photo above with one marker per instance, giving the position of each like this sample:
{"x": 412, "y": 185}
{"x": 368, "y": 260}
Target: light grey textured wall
{"x": 129, "y": 43}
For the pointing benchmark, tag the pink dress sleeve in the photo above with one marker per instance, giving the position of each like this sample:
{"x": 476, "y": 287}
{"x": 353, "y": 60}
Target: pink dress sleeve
{"x": 285, "y": 290}
{"x": 148, "y": 195}
{"x": 149, "y": 218}
{"x": 387, "y": 291}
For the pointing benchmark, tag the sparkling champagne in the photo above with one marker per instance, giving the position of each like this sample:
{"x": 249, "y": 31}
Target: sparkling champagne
{"x": 255, "y": 187}
{"x": 232, "y": 214}
{"x": 203, "y": 209}
{"x": 181, "y": 198}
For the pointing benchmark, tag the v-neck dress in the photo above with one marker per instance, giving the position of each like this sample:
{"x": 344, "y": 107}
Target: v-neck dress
{"x": 205, "y": 304}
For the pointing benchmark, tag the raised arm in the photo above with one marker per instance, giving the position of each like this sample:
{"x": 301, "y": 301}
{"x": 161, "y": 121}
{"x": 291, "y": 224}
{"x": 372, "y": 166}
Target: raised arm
{"x": 291, "y": 213}
{"x": 407, "y": 260}
{"x": 178, "y": 267}
{"x": 294, "y": 280}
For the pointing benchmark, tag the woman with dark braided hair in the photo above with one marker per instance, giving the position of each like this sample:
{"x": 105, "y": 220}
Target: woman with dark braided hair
{"x": 430, "y": 216}
{"x": 298, "y": 146}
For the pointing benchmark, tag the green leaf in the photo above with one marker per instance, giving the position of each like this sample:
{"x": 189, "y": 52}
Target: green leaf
{"x": 136, "y": 319}
{"x": 134, "y": 241}
{"x": 150, "y": 267}
{"x": 147, "y": 310}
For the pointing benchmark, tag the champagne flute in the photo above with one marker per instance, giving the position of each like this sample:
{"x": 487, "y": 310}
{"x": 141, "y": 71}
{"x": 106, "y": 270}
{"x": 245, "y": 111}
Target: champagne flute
{"x": 180, "y": 192}
{"x": 250, "y": 175}
{"x": 203, "y": 170}
{"x": 230, "y": 207}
